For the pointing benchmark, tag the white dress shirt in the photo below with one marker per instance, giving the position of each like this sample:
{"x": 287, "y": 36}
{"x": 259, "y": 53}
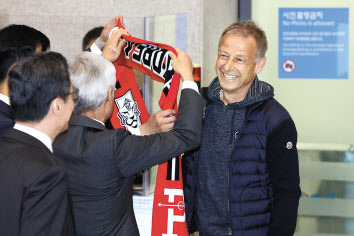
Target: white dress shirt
{"x": 5, "y": 99}
{"x": 36, "y": 134}
{"x": 98, "y": 121}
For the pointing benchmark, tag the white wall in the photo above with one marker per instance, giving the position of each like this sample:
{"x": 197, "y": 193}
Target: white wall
{"x": 65, "y": 22}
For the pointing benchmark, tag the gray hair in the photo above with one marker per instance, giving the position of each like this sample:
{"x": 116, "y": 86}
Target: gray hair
{"x": 249, "y": 29}
{"x": 93, "y": 75}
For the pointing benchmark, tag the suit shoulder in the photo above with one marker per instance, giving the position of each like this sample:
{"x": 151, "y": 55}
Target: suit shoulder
{"x": 27, "y": 154}
{"x": 27, "y": 165}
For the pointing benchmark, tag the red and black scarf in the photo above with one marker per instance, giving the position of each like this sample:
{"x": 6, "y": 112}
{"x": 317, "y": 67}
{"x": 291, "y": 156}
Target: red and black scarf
{"x": 130, "y": 111}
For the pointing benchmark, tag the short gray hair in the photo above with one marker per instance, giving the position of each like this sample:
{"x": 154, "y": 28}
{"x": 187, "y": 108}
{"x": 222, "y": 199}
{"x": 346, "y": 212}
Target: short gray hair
{"x": 93, "y": 75}
{"x": 249, "y": 29}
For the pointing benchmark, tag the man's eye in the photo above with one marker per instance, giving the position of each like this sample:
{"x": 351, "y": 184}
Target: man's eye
{"x": 240, "y": 60}
{"x": 224, "y": 56}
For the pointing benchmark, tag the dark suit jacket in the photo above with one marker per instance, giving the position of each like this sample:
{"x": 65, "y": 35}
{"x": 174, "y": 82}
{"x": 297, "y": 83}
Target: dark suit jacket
{"x": 34, "y": 198}
{"x": 101, "y": 163}
{"x": 6, "y": 118}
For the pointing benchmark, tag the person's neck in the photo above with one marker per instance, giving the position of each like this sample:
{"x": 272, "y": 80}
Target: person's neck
{"x": 96, "y": 114}
{"x": 229, "y": 98}
{"x": 43, "y": 127}
{"x": 4, "y": 89}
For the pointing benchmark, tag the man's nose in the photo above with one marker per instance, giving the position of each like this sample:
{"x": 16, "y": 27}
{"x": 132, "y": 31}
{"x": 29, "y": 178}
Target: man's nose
{"x": 229, "y": 65}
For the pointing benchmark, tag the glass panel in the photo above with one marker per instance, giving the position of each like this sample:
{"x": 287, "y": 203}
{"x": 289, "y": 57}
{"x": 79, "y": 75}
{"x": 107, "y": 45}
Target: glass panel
{"x": 171, "y": 30}
{"x": 327, "y": 183}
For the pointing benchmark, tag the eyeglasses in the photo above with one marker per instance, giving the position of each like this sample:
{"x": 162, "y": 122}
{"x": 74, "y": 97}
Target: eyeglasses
{"x": 74, "y": 94}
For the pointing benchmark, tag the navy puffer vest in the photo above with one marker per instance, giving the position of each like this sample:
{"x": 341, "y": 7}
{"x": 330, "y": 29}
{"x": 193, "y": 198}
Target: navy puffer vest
{"x": 251, "y": 194}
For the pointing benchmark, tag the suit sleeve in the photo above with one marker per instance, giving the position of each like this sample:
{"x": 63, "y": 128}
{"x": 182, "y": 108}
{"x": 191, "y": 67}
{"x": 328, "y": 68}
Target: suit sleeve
{"x": 283, "y": 164}
{"x": 46, "y": 205}
{"x": 134, "y": 153}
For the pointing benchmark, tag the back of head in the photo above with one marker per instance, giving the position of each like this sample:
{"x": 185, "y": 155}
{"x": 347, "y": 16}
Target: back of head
{"x": 19, "y": 36}
{"x": 34, "y": 82}
{"x": 93, "y": 75}
{"x": 91, "y": 35}
{"x": 10, "y": 57}
{"x": 249, "y": 29}
{"x": 17, "y": 42}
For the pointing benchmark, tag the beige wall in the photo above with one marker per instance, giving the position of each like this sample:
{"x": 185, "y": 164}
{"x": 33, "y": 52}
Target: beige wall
{"x": 217, "y": 15}
{"x": 65, "y": 22}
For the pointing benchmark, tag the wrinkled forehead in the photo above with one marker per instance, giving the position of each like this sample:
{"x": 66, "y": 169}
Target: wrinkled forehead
{"x": 237, "y": 34}
{"x": 236, "y": 44}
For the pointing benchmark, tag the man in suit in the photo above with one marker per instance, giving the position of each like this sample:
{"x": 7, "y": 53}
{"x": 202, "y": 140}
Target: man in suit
{"x": 101, "y": 162}
{"x": 16, "y": 42}
{"x": 34, "y": 199}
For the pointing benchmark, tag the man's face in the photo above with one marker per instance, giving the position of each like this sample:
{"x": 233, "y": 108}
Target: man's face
{"x": 235, "y": 64}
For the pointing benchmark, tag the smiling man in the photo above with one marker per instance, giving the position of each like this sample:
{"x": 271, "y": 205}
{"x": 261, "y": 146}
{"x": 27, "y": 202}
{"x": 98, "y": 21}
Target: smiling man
{"x": 245, "y": 173}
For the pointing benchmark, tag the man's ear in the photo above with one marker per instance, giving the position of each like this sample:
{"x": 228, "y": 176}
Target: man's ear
{"x": 56, "y": 106}
{"x": 260, "y": 65}
{"x": 109, "y": 95}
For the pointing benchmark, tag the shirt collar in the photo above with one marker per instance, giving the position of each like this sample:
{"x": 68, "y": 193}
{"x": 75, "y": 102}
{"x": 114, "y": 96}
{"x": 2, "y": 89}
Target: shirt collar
{"x": 36, "y": 134}
{"x": 5, "y": 99}
{"x": 98, "y": 121}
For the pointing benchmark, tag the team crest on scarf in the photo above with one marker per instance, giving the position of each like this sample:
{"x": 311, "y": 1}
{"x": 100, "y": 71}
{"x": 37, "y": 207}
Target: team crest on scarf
{"x": 129, "y": 113}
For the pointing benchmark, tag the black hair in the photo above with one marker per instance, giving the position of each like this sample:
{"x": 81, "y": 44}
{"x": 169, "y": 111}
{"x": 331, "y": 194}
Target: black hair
{"x": 34, "y": 82}
{"x": 92, "y": 34}
{"x": 17, "y": 42}
{"x": 10, "y": 57}
{"x": 19, "y": 36}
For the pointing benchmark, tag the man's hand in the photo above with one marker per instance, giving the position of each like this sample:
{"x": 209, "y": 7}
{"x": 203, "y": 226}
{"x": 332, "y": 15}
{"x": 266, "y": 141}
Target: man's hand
{"x": 108, "y": 27}
{"x": 114, "y": 45}
{"x": 158, "y": 122}
{"x": 182, "y": 65}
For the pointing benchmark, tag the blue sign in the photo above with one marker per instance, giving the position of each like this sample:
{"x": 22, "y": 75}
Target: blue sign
{"x": 313, "y": 43}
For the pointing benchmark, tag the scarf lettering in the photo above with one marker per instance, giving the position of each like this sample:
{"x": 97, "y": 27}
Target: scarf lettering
{"x": 151, "y": 57}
